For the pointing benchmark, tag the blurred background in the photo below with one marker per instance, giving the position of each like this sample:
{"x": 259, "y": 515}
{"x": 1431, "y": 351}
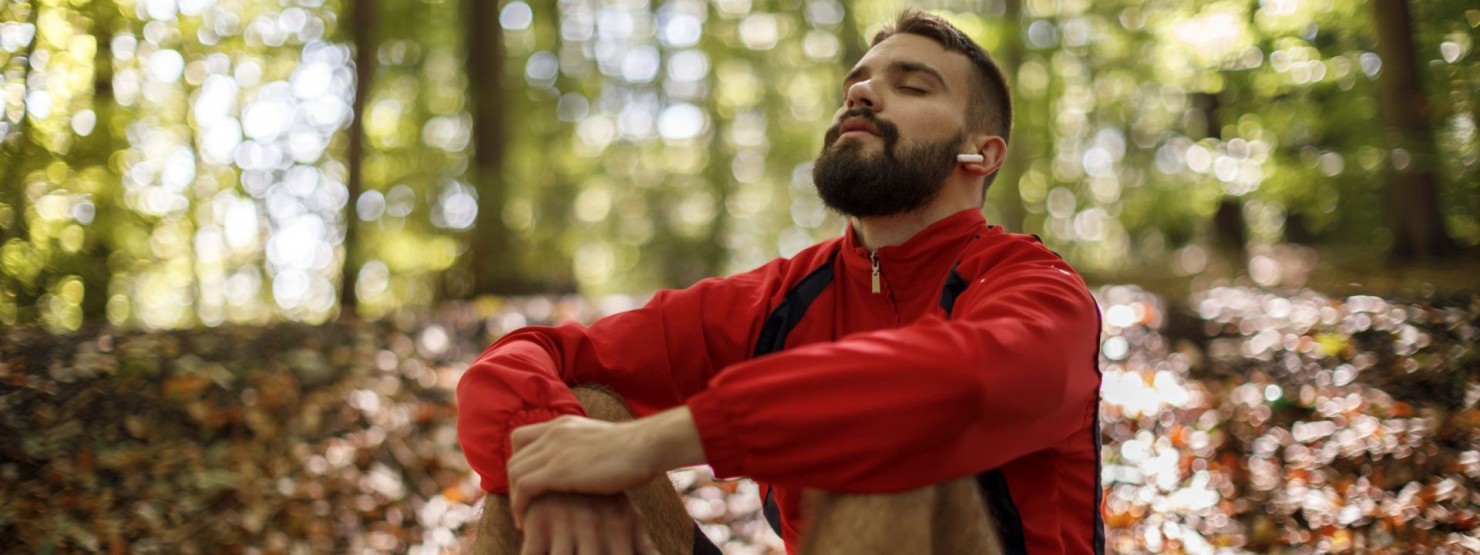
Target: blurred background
{"x": 247, "y": 246}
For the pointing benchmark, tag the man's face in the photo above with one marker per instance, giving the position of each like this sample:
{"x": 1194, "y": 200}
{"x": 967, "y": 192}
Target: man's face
{"x": 895, "y": 139}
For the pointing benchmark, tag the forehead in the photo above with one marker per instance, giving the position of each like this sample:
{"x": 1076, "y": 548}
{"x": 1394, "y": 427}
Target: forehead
{"x": 905, "y": 47}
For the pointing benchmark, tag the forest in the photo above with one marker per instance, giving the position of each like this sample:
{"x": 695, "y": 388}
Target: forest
{"x": 247, "y": 247}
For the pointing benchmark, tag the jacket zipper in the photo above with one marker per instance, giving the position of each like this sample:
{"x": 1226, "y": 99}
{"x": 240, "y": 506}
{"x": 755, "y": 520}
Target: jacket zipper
{"x": 873, "y": 256}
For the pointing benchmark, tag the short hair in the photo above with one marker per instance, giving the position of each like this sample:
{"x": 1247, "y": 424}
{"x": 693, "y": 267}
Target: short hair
{"x": 990, "y": 109}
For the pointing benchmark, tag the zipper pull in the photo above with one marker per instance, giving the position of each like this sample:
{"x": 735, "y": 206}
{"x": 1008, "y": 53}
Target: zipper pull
{"x": 873, "y": 256}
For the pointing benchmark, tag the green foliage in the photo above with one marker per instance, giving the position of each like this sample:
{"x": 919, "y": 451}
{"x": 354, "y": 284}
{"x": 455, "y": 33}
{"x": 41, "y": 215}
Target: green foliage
{"x": 171, "y": 164}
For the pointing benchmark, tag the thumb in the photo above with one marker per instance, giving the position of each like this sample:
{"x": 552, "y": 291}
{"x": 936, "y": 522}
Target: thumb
{"x": 517, "y": 505}
{"x": 525, "y": 435}
{"x": 521, "y": 494}
{"x": 645, "y": 543}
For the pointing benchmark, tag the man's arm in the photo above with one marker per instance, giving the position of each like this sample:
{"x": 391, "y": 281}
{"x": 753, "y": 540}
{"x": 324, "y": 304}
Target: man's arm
{"x": 654, "y": 357}
{"x": 645, "y": 518}
{"x": 574, "y": 454}
{"x": 559, "y": 522}
{"x": 1013, "y": 372}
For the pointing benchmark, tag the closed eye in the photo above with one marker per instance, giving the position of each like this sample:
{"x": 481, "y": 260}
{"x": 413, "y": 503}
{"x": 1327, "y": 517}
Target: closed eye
{"x": 913, "y": 90}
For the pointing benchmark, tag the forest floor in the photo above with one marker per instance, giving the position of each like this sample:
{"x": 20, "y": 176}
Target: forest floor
{"x": 1335, "y": 271}
{"x": 1237, "y": 417}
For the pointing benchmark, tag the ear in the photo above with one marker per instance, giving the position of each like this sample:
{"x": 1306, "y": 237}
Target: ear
{"x": 993, "y": 150}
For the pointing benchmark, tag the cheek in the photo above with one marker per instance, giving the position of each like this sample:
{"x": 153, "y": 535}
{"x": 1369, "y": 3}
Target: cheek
{"x": 946, "y": 120}
{"x": 930, "y": 123}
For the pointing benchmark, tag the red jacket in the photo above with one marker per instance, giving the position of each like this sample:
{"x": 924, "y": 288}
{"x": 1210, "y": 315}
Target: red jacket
{"x": 875, "y": 392}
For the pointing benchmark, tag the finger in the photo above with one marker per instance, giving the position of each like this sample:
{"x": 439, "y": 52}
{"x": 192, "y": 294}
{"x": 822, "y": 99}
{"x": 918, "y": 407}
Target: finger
{"x": 517, "y": 504}
{"x": 524, "y": 435}
{"x": 616, "y": 531}
{"x": 562, "y": 543}
{"x": 526, "y": 490}
{"x": 587, "y": 535}
{"x": 536, "y": 540}
{"x": 527, "y": 462}
{"x": 524, "y": 486}
{"x": 645, "y": 543}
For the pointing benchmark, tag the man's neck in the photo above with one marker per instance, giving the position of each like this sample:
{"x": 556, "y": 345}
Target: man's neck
{"x": 887, "y": 231}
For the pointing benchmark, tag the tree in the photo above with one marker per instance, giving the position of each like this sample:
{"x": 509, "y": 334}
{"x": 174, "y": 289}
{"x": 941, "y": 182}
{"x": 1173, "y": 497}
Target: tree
{"x": 1003, "y": 196}
{"x": 1412, "y": 175}
{"x": 362, "y": 23}
{"x": 492, "y": 254}
{"x": 19, "y": 293}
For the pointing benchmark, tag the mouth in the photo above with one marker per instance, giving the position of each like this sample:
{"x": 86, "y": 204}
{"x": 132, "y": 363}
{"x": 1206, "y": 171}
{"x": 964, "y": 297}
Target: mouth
{"x": 859, "y": 126}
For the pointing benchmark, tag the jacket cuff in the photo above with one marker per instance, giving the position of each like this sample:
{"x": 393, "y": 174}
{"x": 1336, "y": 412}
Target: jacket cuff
{"x": 497, "y": 481}
{"x": 524, "y": 418}
{"x": 718, "y": 436}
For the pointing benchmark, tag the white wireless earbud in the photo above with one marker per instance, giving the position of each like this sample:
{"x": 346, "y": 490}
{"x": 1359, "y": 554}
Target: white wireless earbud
{"x": 969, "y": 158}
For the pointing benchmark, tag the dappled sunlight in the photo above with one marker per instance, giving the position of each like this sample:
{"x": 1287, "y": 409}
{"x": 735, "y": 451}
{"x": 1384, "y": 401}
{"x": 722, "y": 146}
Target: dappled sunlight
{"x": 1238, "y": 418}
{"x": 211, "y": 139}
{"x": 1321, "y": 409}
{"x": 248, "y": 248}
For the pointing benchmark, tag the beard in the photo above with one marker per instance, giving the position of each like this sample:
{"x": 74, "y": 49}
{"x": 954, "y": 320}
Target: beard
{"x": 857, "y": 184}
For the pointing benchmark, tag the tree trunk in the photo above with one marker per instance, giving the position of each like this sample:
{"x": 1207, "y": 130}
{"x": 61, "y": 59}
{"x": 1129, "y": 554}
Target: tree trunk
{"x": 20, "y": 292}
{"x": 1229, "y": 231}
{"x": 1412, "y": 177}
{"x": 1010, "y": 58}
{"x": 854, "y": 43}
{"x": 362, "y": 28}
{"x": 97, "y": 277}
{"x": 14, "y": 167}
{"x": 492, "y": 255}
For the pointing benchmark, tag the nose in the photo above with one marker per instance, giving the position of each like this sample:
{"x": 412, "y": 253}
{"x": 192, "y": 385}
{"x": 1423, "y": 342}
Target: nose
{"x": 861, "y": 93}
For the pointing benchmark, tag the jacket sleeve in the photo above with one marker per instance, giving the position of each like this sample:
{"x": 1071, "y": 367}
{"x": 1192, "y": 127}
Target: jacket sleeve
{"x": 655, "y": 357}
{"x": 1012, "y": 373}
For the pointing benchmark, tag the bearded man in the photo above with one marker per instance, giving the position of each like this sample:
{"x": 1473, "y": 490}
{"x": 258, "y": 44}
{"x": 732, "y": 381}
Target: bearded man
{"x": 926, "y": 383}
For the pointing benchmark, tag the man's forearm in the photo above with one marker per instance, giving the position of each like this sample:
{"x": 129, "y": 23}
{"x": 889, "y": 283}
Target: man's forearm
{"x": 670, "y": 438}
{"x": 581, "y": 455}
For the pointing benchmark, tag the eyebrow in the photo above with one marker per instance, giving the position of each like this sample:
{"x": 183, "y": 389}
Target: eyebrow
{"x": 899, "y": 66}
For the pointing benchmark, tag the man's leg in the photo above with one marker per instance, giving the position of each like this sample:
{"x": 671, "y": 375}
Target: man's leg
{"x": 946, "y": 518}
{"x": 662, "y": 508}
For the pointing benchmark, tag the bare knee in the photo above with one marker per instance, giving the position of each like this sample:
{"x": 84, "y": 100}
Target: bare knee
{"x": 869, "y": 523}
{"x": 948, "y": 517}
{"x": 496, "y": 533}
{"x": 602, "y": 403}
{"x": 962, "y": 523}
{"x": 915, "y": 501}
{"x": 664, "y": 513}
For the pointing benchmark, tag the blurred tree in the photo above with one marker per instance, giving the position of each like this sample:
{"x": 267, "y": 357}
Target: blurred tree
{"x": 18, "y": 303}
{"x": 1414, "y": 166}
{"x": 415, "y": 207}
{"x": 1004, "y": 199}
{"x": 57, "y": 142}
{"x": 178, "y": 163}
{"x": 362, "y": 31}
{"x": 101, "y": 145}
{"x": 493, "y": 255}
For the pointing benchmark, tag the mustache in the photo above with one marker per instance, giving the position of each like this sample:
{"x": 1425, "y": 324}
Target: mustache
{"x": 887, "y": 130}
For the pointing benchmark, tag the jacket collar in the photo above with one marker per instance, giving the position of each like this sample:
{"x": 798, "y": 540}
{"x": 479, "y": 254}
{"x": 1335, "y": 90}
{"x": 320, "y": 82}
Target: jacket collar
{"x": 945, "y": 236}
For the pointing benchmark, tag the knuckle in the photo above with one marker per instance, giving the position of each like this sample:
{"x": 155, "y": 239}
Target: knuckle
{"x": 616, "y": 518}
{"x": 583, "y": 518}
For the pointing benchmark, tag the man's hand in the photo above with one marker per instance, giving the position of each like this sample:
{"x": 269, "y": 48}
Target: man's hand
{"x": 580, "y": 455}
{"x": 574, "y": 454}
{"x": 579, "y": 523}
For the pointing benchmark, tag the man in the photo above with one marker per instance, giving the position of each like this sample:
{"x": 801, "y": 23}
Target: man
{"x": 923, "y": 369}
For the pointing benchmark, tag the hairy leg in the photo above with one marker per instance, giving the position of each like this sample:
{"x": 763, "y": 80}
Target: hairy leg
{"x": 945, "y": 518}
{"x": 663, "y": 510}
{"x": 962, "y": 522}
